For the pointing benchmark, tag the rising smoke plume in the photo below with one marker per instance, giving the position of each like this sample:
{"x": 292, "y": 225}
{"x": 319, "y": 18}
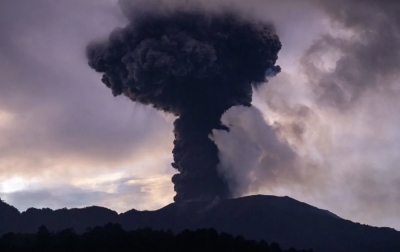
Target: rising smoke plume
{"x": 195, "y": 65}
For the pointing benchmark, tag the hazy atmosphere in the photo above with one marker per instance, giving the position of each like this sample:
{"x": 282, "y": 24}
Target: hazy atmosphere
{"x": 323, "y": 131}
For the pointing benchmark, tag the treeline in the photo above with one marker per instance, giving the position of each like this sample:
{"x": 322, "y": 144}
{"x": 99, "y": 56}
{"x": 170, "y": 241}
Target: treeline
{"x": 112, "y": 237}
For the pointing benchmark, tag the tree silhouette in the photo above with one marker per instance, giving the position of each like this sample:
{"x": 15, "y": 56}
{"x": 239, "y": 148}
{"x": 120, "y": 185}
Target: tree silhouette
{"x": 112, "y": 237}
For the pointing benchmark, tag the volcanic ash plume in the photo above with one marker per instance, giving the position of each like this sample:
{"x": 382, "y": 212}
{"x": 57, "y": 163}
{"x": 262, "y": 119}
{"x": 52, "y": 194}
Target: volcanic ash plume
{"x": 196, "y": 66}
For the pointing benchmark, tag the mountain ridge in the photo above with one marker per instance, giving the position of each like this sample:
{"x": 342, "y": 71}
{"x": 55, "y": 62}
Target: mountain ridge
{"x": 284, "y": 220}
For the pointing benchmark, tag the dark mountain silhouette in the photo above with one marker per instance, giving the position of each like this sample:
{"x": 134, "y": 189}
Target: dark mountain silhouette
{"x": 275, "y": 219}
{"x": 79, "y": 219}
{"x": 9, "y": 215}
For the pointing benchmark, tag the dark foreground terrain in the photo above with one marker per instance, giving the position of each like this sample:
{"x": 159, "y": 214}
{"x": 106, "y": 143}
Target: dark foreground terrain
{"x": 283, "y": 220}
{"x": 112, "y": 238}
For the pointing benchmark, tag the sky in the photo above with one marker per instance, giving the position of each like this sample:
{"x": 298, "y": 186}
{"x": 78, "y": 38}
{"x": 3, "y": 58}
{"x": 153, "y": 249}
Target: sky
{"x": 332, "y": 112}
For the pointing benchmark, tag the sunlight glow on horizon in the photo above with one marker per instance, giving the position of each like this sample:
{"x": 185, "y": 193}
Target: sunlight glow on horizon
{"x": 14, "y": 184}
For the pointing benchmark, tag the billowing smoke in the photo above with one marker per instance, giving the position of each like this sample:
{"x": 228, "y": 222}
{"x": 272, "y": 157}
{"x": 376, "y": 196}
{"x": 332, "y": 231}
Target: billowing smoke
{"x": 195, "y": 65}
{"x": 252, "y": 156}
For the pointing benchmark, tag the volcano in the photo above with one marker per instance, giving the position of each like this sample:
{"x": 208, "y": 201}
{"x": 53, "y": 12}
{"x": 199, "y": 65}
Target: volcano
{"x": 284, "y": 220}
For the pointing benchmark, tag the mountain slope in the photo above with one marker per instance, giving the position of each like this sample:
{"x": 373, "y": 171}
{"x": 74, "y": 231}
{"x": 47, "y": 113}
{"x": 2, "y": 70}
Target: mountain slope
{"x": 276, "y": 219}
{"x": 280, "y": 219}
{"x": 9, "y": 215}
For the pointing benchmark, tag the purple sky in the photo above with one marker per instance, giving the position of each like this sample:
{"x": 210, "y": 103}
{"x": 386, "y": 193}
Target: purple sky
{"x": 66, "y": 142}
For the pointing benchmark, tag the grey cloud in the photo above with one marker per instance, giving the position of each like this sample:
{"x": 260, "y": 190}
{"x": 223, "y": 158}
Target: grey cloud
{"x": 368, "y": 196}
{"x": 367, "y": 51}
{"x": 283, "y": 99}
{"x": 54, "y": 97}
{"x": 363, "y": 85}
